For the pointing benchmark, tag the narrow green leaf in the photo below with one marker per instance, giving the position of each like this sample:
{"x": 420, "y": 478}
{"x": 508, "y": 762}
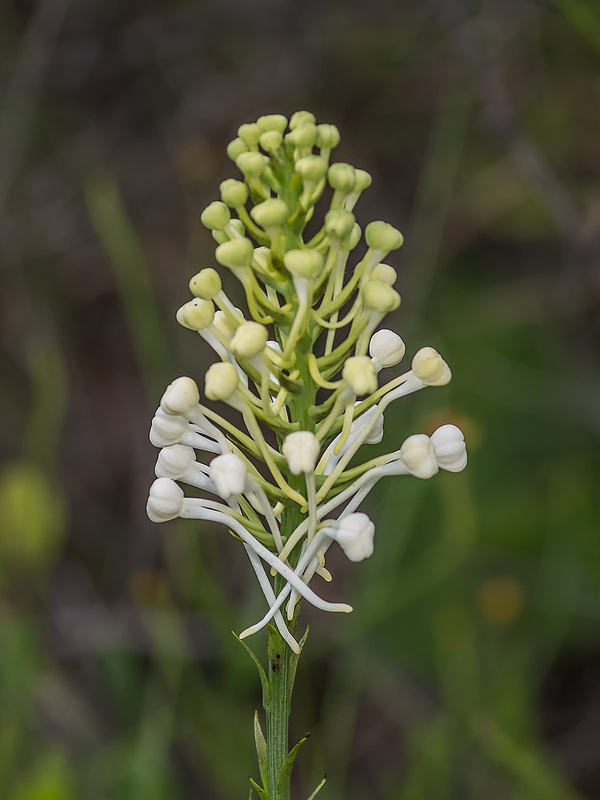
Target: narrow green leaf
{"x": 285, "y": 773}
{"x": 266, "y": 692}
{"x": 261, "y": 792}
{"x": 320, "y": 786}
{"x": 294, "y": 665}
{"x": 275, "y": 649}
{"x": 261, "y": 752}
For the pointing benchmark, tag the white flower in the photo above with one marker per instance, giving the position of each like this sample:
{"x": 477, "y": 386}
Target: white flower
{"x": 418, "y": 456}
{"x": 228, "y": 473}
{"x": 221, "y": 381}
{"x": 180, "y": 397}
{"x": 301, "y": 451}
{"x": 386, "y": 349}
{"x": 167, "y": 429}
{"x": 355, "y": 535}
{"x": 174, "y": 461}
{"x": 165, "y": 501}
{"x": 360, "y": 374}
{"x": 449, "y": 445}
{"x": 430, "y": 367}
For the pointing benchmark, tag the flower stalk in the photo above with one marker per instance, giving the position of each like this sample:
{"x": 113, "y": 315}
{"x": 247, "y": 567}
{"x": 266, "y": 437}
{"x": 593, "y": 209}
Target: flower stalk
{"x": 302, "y": 365}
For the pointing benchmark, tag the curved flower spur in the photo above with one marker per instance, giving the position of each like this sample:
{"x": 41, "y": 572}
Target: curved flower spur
{"x": 305, "y": 360}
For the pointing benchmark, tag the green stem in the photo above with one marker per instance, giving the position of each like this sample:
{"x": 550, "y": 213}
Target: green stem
{"x": 278, "y": 712}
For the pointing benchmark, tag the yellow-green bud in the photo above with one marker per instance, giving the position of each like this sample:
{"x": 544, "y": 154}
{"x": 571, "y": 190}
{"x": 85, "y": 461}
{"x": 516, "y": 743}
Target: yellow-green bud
{"x": 272, "y": 122}
{"x": 221, "y": 381}
{"x": 206, "y": 284}
{"x": 328, "y": 136}
{"x": 380, "y": 297}
{"x": 249, "y": 340}
{"x": 234, "y": 193}
{"x": 235, "y": 149}
{"x": 362, "y": 180}
{"x": 249, "y": 133}
{"x": 383, "y": 236}
{"x": 339, "y": 223}
{"x": 341, "y": 177}
{"x": 270, "y": 213}
{"x": 360, "y": 374}
{"x": 235, "y": 253}
{"x": 430, "y": 367}
{"x": 251, "y": 164}
{"x": 311, "y": 168}
{"x": 384, "y": 273}
{"x": 215, "y": 216}
{"x": 223, "y": 325}
{"x": 180, "y": 397}
{"x": 196, "y": 314}
{"x": 270, "y": 140}
{"x": 303, "y": 263}
{"x": 304, "y": 135}
{"x": 353, "y": 239}
{"x": 301, "y": 118}
{"x": 264, "y": 258}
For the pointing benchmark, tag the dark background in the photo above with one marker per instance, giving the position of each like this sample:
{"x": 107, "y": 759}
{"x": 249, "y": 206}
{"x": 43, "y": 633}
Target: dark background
{"x": 471, "y": 665}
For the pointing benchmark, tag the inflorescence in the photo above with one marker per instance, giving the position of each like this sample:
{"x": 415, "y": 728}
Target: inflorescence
{"x": 303, "y": 363}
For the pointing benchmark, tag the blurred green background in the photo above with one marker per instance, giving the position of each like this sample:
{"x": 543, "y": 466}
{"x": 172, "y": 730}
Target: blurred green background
{"x": 471, "y": 666}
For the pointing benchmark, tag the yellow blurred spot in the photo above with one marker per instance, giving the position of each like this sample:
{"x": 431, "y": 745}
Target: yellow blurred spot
{"x": 501, "y": 600}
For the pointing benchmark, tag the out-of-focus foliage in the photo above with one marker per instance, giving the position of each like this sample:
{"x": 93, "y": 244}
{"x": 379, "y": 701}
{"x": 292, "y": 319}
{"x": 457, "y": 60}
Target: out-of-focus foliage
{"x": 471, "y": 665}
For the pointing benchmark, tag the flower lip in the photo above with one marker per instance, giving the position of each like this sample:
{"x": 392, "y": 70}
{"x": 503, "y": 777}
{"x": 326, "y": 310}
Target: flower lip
{"x": 355, "y": 534}
{"x": 229, "y": 474}
{"x": 450, "y": 450}
{"x": 301, "y": 451}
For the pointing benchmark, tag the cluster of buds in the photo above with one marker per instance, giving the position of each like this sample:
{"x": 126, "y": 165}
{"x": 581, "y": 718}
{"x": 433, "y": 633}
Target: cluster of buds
{"x": 303, "y": 362}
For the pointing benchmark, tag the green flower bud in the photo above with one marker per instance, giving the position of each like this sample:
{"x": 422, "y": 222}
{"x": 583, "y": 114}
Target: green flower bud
{"x": 234, "y": 193}
{"x": 353, "y": 239}
{"x": 341, "y": 177}
{"x": 384, "y": 273}
{"x": 206, "y": 284}
{"x": 328, "y": 136}
{"x": 235, "y": 253}
{"x": 303, "y": 263}
{"x": 363, "y": 180}
{"x": 235, "y": 149}
{"x": 311, "y": 168}
{"x": 272, "y": 122}
{"x": 223, "y": 325}
{"x": 215, "y": 216}
{"x": 264, "y": 258}
{"x": 339, "y": 223}
{"x": 383, "y": 236}
{"x": 251, "y": 165}
{"x": 380, "y": 297}
{"x": 304, "y": 135}
{"x": 360, "y": 374}
{"x": 301, "y": 118}
{"x": 221, "y": 381}
{"x": 270, "y": 213}
{"x": 249, "y": 133}
{"x": 249, "y": 340}
{"x": 270, "y": 140}
{"x": 196, "y": 314}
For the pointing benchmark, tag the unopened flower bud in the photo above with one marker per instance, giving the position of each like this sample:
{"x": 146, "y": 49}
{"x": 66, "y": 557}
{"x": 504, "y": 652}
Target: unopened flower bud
{"x": 301, "y": 451}
{"x": 263, "y": 258}
{"x": 234, "y": 193}
{"x": 375, "y": 435}
{"x": 339, "y": 223}
{"x": 249, "y": 340}
{"x": 251, "y": 164}
{"x": 418, "y": 456}
{"x": 311, "y": 169}
{"x": 174, "y": 461}
{"x": 380, "y": 297}
{"x": 236, "y": 148}
{"x": 430, "y": 367}
{"x": 341, "y": 177}
{"x": 196, "y": 314}
{"x": 270, "y": 213}
{"x": 228, "y": 473}
{"x": 235, "y": 253}
{"x": 328, "y": 136}
{"x": 165, "y": 500}
{"x": 304, "y": 135}
{"x": 384, "y": 273}
{"x": 360, "y": 374}
{"x": 301, "y": 118}
{"x": 167, "y": 429}
{"x": 180, "y": 397}
{"x": 362, "y": 180}
{"x": 215, "y": 216}
{"x": 223, "y": 325}
{"x": 449, "y": 445}
{"x": 355, "y": 535}
{"x": 386, "y": 348}
{"x": 249, "y": 133}
{"x": 304, "y": 263}
{"x": 206, "y": 284}
{"x": 221, "y": 381}
{"x": 383, "y": 236}
{"x": 272, "y": 122}
{"x": 270, "y": 140}
{"x": 353, "y": 239}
